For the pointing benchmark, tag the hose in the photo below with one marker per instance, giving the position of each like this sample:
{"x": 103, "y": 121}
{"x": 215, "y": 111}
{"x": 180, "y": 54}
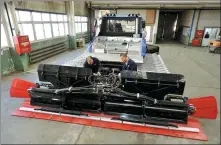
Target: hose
{"x": 140, "y": 96}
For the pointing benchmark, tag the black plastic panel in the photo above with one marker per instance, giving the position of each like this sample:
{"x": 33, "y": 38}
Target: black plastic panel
{"x": 63, "y": 76}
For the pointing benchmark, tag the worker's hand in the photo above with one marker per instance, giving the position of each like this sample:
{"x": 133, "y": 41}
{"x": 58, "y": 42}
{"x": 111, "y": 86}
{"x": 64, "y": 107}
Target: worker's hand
{"x": 98, "y": 73}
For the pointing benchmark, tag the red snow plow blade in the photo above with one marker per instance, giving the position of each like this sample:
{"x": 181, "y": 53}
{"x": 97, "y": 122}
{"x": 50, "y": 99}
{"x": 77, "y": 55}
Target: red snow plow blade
{"x": 206, "y": 107}
{"x": 19, "y": 88}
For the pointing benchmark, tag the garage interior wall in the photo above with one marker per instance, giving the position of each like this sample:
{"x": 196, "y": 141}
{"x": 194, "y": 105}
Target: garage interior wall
{"x": 209, "y": 18}
{"x": 199, "y": 20}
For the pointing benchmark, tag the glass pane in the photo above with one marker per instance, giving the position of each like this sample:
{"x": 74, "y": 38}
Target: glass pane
{"x": 84, "y": 19}
{"x": 36, "y": 16}
{"x": 54, "y": 17}
{"x": 47, "y": 29}
{"x": 77, "y": 19}
{"x": 61, "y": 29}
{"x": 66, "y": 28}
{"x": 65, "y": 18}
{"x": 81, "y": 19}
{"x": 17, "y": 15}
{"x": 25, "y": 16}
{"x": 39, "y": 31}
{"x": 120, "y": 26}
{"x": 60, "y": 18}
{"x": 55, "y": 30}
{"x": 28, "y": 30}
{"x": 84, "y": 27}
{"x": 45, "y": 17}
{"x": 4, "y": 41}
{"x": 78, "y": 27}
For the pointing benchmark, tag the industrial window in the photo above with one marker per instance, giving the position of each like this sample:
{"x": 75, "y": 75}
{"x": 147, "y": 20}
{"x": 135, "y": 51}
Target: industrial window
{"x": 78, "y": 27}
{"x": 66, "y": 28}
{"x": 47, "y": 30}
{"x": 60, "y": 18}
{"x": 28, "y": 30}
{"x": 54, "y": 17}
{"x": 36, "y": 16}
{"x": 65, "y": 18}
{"x": 4, "y": 41}
{"x": 24, "y": 15}
{"x": 61, "y": 28}
{"x": 81, "y": 24}
{"x": 41, "y": 25}
{"x": 55, "y": 29}
{"x": 84, "y": 27}
{"x": 40, "y": 32}
{"x": 45, "y": 17}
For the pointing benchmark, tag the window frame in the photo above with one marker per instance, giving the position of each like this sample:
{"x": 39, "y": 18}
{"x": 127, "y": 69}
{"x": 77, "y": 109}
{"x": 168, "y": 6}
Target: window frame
{"x": 4, "y": 34}
{"x": 42, "y": 22}
{"x": 79, "y": 20}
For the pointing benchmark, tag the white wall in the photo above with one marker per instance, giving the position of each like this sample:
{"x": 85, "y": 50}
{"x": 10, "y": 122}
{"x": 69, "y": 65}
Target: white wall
{"x": 186, "y": 18}
{"x": 209, "y": 18}
{"x": 47, "y": 6}
{"x": 80, "y": 8}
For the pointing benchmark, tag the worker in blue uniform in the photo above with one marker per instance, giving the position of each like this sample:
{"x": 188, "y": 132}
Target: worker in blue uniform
{"x": 128, "y": 64}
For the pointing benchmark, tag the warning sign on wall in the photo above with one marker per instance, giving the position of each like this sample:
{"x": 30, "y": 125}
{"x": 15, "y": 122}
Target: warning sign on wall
{"x": 199, "y": 33}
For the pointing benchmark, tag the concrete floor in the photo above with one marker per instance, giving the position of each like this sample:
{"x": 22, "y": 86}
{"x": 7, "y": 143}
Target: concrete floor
{"x": 200, "y": 68}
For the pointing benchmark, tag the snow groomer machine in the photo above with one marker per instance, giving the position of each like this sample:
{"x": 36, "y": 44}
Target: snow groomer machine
{"x": 131, "y": 98}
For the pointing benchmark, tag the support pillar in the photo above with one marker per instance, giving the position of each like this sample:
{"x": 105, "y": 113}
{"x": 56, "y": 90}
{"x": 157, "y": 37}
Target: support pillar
{"x": 154, "y": 34}
{"x": 194, "y": 25}
{"x": 21, "y": 62}
{"x": 71, "y": 25}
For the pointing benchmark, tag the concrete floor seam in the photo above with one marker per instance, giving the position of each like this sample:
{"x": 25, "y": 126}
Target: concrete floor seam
{"x": 78, "y": 138}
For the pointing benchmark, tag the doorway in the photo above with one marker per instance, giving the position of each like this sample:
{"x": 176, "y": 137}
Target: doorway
{"x": 210, "y": 34}
{"x": 167, "y": 25}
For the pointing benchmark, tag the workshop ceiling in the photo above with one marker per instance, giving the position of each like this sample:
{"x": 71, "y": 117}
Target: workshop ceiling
{"x": 159, "y": 4}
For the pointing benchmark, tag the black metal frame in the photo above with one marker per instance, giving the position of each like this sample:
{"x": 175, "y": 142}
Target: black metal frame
{"x": 80, "y": 91}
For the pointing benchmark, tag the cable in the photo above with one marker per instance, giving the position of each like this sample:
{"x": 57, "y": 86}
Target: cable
{"x": 159, "y": 89}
